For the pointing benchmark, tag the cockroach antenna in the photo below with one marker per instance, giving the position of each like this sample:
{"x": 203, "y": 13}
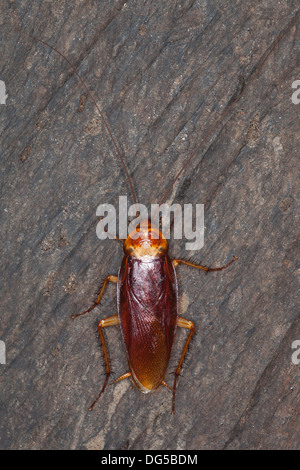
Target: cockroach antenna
{"x": 147, "y": 283}
{"x": 93, "y": 100}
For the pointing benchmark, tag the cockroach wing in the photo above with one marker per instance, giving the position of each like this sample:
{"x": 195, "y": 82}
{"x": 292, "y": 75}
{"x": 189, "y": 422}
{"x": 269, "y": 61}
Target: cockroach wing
{"x": 148, "y": 309}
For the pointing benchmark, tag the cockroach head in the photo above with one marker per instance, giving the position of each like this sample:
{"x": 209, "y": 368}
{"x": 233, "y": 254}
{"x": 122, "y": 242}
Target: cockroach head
{"x": 146, "y": 240}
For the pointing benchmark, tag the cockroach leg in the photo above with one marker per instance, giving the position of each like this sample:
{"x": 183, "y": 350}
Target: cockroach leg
{"x": 109, "y": 321}
{"x": 188, "y": 324}
{"x": 109, "y": 278}
{"x": 167, "y": 386}
{"x": 176, "y": 262}
{"x": 122, "y": 377}
{"x": 128, "y": 374}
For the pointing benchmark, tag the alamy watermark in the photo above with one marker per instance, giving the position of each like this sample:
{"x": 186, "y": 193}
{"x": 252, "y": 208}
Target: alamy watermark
{"x": 2, "y": 353}
{"x": 296, "y": 94}
{"x": 3, "y": 95}
{"x": 187, "y": 222}
{"x": 296, "y": 354}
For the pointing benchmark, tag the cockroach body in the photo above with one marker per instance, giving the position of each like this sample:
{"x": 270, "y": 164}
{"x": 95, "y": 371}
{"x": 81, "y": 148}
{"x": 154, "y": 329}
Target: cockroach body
{"x": 147, "y": 306}
{"x": 147, "y": 296}
{"x": 147, "y": 293}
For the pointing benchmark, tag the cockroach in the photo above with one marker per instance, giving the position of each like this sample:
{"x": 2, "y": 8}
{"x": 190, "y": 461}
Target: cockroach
{"x": 147, "y": 292}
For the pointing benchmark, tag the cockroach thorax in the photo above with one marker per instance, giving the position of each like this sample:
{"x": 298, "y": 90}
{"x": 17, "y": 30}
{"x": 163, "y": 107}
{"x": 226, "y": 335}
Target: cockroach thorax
{"x": 146, "y": 240}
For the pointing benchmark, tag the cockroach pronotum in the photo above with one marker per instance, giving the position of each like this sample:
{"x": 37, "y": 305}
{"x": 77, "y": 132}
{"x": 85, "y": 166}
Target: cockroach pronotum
{"x": 147, "y": 290}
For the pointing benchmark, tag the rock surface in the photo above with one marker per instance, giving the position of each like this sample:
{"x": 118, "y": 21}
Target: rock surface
{"x": 162, "y": 74}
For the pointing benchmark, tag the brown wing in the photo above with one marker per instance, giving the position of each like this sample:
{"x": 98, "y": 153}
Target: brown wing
{"x": 148, "y": 307}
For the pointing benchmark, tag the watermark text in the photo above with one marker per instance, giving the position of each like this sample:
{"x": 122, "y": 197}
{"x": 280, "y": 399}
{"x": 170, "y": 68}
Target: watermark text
{"x": 296, "y": 354}
{"x": 187, "y": 222}
{"x": 2, "y": 353}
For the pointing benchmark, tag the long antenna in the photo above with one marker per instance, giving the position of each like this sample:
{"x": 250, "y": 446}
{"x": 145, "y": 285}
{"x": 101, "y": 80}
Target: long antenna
{"x": 226, "y": 111}
{"x": 94, "y": 101}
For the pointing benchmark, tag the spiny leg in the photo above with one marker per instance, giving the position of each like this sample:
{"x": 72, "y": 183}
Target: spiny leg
{"x": 128, "y": 374}
{"x": 167, "y": 386}
{"x": 109, "y": 321}
{"x": 122, "y": 377}
{"x": 176, "y": 262}
{"x": 109, "y": 278}
{"x": 182, "y": 323}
